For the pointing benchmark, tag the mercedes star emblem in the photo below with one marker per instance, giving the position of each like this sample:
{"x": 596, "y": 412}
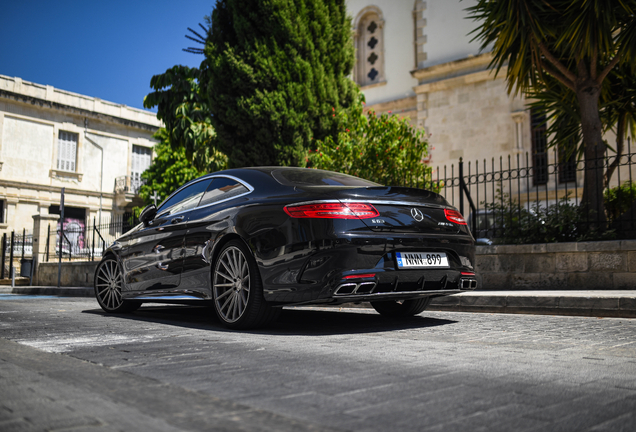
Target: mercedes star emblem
{"x": 417, "y": 215}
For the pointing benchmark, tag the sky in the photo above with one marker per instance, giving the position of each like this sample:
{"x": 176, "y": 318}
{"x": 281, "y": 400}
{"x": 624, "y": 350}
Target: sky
{"x": 105, "y": 49}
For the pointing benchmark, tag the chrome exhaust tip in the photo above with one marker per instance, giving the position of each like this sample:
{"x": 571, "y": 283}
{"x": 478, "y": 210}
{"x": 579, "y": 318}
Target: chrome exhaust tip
{"x": 354, "y": 288}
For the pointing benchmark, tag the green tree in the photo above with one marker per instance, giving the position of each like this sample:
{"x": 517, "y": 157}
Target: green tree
{"x": 273, "y": 72}
{"x": 575, "y": 42}
{"x": 169, "y": 170}
{"x": 183, "y": 106}
{"x": 384, "y": 149}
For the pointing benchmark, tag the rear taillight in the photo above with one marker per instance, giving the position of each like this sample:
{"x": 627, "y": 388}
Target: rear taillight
{"x": 332, "y": 211}
{"x": 454, "y": 216}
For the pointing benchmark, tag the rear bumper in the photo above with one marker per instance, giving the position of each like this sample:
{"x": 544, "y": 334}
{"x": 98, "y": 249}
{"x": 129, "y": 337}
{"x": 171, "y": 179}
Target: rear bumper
{"x": 400, "y": 295}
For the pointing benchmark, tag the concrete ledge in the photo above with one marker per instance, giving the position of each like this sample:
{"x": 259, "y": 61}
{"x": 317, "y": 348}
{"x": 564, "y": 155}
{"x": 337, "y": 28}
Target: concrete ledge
{"x": 580, "y": 303}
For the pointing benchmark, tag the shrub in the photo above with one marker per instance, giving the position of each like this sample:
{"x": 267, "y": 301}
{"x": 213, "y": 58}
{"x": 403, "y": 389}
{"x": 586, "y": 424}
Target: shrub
{"x": 563, "y": 221}
{"x": 384, "y": 149}
{"x": 619, "y": 199}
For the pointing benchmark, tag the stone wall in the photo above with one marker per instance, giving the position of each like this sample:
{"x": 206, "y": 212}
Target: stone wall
{"x": 74, "y": 274}
{"x": 606, "y": 265}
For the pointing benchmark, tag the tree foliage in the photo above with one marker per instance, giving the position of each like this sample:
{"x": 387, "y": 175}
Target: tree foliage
{"x": 575, "y": 42}
{"x": 169, "y": 170}
{"x": 384, "y": 149}
{"x": 183, "y": 106}
{"x": 273, "y": 72}
{"x": 617, "y": 113}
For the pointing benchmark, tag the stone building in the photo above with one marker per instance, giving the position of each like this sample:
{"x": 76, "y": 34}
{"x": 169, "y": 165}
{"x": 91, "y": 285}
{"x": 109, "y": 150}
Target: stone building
{"x": 52, "y": 139}
{"x": 416, "y": 59}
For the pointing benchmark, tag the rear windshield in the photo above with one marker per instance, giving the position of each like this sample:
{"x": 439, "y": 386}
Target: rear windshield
{"x": 314, "y": 177}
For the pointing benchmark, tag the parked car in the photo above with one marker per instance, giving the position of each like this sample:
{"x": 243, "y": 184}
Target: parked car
{"x": 252, "y": 240}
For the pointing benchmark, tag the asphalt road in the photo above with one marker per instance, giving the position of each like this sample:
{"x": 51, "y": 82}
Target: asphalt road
{"x": 64, "y": 365}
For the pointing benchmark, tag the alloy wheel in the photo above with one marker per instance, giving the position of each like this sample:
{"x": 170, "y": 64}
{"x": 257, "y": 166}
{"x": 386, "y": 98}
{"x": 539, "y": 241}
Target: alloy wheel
{"x": 108, "y": 284}
{"x": 231, "y": 284}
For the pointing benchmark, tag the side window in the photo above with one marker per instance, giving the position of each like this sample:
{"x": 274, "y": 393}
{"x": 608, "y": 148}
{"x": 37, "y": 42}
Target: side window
{"x": 186, "y": 199}
{"x": 222, "y": 188}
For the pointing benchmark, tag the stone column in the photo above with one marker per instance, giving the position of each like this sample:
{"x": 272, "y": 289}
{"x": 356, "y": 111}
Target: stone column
{"x": 40, "y": 226}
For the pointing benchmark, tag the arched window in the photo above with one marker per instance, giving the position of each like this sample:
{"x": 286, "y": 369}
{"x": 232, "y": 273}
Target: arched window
{"x": 369, "y": 39}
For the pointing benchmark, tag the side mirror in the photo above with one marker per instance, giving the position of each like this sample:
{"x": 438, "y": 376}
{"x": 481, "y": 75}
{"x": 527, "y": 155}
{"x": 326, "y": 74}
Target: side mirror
{"x": 148, "y": 214}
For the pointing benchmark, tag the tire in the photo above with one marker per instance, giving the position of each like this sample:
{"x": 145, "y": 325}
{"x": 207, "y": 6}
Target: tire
{"x": 237, "y": 289}
{"x": 108, "y": 284}
{"x": 404, "y": 309}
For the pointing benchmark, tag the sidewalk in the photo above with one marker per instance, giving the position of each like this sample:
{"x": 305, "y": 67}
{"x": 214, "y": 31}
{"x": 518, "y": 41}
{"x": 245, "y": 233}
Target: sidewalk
{"x": 597, "y": 303}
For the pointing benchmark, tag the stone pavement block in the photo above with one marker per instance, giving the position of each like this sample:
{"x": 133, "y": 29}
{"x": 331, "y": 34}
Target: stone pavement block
{"x": 628, "y": 245}
{"x": 607, "y": 261}
{"x": 627, "y": 303}
{"x": 446, "y": 300}
{"x": 598, "y": 246}
{"x": 631, "y": 261}
{"x": 539, "y": 263}
{"x": 561, "y": 247}
{"x": 487, "y": 263}
{"x": 571, "y": 262}
{"x": 527, "y": 281}
{"x": 554, "y": 281}
{"x": 593, "y": 303}
{"x": 626, "y": 281}
{"x": 510, "y": 263}
{"x": 496, "y": 281}
{"x": 587, "y": 281}
{"x": 533, "y": 301}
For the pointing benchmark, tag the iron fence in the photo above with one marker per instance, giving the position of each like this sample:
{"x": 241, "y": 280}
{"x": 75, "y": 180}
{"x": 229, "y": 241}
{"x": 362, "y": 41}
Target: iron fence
{"x": 16, "y": 248}
{"x": 533, "y": 198}
{"x": 87, "y": 241}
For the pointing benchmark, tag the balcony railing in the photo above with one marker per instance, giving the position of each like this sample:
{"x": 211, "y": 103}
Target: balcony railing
{"x": 127, "y": 184}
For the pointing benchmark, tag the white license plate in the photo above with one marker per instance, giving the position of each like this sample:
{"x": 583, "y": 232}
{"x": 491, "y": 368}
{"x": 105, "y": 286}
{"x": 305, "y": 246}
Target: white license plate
{"x": 408, "y": 260}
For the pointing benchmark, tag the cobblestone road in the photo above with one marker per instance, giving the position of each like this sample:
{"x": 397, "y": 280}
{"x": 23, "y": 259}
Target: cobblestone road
{"x": 65, "y": 364}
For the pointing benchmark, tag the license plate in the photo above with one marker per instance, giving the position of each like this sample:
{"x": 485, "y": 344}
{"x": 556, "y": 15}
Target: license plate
{"x": 409, "y": 260}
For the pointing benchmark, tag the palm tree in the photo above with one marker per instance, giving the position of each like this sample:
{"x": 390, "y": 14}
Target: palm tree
{"x": 575, "y": 42}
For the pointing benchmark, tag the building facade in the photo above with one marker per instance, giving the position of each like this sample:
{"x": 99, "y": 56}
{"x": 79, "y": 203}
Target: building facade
{"x": 416, "y": 59}
{"x": 52, "y": 139}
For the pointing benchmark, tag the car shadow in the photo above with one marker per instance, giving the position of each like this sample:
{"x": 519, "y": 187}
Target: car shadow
{"x": 293, "y": 321}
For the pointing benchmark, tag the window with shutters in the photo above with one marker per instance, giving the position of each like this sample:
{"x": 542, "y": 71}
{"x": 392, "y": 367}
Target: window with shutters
{"x": 141, "y": 160}
{"x": 67, "y": 151}
{"x": 370, "y": 47}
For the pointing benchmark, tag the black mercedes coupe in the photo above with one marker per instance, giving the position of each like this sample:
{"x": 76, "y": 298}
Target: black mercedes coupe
{"x": 252, "y": 240}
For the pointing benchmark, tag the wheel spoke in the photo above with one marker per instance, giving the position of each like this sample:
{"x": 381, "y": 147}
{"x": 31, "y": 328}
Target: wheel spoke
{"x": 227, "y": 269}
{"x": 226, "y": 292}
{"x": 226, "y": 301}
{"x": 224, "y": 276}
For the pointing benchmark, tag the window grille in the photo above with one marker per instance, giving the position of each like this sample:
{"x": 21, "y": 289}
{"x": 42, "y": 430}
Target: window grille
{"x": 66, "y": 151}
{"x": 370, "y": 61}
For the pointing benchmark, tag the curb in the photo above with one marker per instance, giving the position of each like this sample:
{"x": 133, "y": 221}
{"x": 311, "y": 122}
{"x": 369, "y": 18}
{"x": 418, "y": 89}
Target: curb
{"x": 617, "y": 304}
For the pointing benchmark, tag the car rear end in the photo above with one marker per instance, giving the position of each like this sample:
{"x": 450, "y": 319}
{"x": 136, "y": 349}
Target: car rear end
{"x": 391, "y": 243}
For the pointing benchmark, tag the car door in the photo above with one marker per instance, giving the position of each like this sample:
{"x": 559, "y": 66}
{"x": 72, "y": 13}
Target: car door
{"x": 152, "y": 256}
{"x": 211, "y": 217}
